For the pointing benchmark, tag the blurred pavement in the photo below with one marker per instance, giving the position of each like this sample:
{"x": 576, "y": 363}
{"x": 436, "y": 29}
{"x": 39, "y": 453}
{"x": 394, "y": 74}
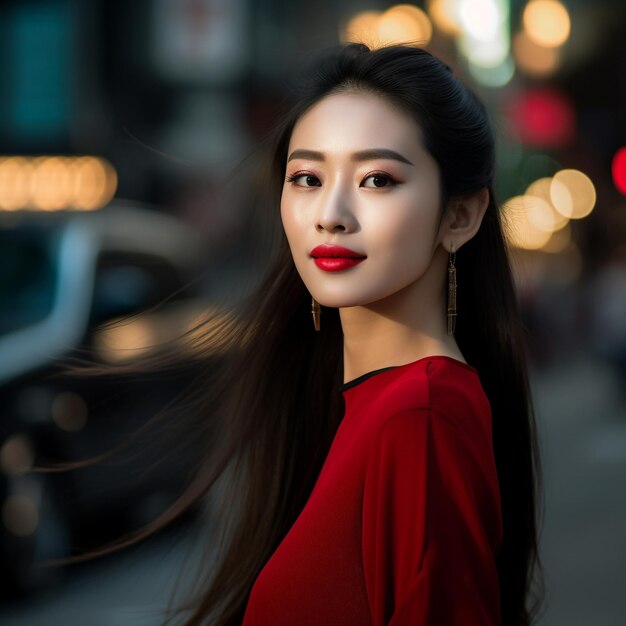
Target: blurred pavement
{"x": 581, "y": 406}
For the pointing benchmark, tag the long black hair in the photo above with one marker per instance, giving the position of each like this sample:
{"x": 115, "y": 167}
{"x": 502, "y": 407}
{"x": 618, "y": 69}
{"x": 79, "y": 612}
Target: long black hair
{"x": 268, "y": 421}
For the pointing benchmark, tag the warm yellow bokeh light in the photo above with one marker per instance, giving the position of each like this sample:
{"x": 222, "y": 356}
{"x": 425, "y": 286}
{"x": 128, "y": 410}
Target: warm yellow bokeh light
{"x": 363, "y": 28}
{"x": 15, "y": 173}
{"x": 445, "y": 15}
{"x": 401, "y": 24}
{"x": 520, "y": 230}
{"x": 540, "y": 214}
{"x": 124, "y": 341}
{"x": 533, "y": 59}
{"x": 546, "y": 22}
{"x": 51, "y": 183}
{"x": 95, "y": 183}
{"x": 405, "y": 23}
{"x": 572, "y": 194}
{"x": 548, "y": 218}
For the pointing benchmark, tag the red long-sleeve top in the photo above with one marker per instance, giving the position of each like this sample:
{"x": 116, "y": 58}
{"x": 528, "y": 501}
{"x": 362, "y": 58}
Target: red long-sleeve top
{"x": 404, "y": 521}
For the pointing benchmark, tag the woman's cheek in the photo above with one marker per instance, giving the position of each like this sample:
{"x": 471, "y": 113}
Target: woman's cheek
{"x": 290, "y": 225}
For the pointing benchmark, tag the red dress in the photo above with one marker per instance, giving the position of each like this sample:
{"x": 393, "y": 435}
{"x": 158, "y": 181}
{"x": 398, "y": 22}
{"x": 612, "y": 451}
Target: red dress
{"x": 404, "y": 521}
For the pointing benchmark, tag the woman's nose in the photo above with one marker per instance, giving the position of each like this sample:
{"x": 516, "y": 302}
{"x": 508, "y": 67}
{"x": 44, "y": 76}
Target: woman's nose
{"x": 335, "y": 214}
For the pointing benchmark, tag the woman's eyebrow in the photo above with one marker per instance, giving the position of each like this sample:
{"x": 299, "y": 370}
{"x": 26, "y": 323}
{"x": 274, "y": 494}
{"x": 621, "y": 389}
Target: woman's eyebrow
{"x": 362, "y": 155}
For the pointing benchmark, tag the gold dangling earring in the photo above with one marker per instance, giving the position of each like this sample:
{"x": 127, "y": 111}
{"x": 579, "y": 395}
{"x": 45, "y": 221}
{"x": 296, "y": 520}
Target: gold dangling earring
{"x": 316, "y": 311}
{"x": 452, "y": 292}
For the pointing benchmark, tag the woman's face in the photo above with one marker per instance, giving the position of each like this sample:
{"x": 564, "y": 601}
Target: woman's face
{"x": 385, "y": 208}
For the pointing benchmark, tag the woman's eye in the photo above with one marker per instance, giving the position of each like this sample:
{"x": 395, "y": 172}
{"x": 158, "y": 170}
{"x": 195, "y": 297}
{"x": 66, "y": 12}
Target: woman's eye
{"x": 380, "y": 180}
{"x": 308, "y": 178}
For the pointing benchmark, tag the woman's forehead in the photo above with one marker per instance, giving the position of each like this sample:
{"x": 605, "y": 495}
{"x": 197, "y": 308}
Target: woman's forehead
{"x": 346, "y": 122}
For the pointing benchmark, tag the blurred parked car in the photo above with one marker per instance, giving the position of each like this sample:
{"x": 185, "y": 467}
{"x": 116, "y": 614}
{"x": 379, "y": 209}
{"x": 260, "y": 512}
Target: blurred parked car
{"x": 63, "y": 278}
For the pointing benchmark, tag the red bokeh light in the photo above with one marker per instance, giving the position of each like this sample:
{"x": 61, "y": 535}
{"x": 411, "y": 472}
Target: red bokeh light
{"x": 618, "y": 170}
{"x": 543, "y": 117}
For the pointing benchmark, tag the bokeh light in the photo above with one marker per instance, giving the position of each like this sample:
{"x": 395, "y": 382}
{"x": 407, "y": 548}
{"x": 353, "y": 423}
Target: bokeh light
{"x": 543, "y": 117}
{"x": 539, "y": 218}
{"x": 618, "y": 170}
{"x": 405, "y": 23}
{"x": 521, "y": 232}
{"x": 485, "y": 39}
{"x": 540, "y": 214}
{"x": 51, "y": 183}
{"x": 69, "y": 411}
{"x": 15, "y": 174}
{"x": 96, "y": 182}
{"x": 400, "y": 24}
{"x": 481, "y": 19}
{"x": 363, "y": 28}
{"x": 546, "y": 22}
{"x": 497, "y": 76}
{"x": 487, "y": 54}
{"x": 572, "y": 193}
{"x": 535, "y": 60}
{"x": 549, "y": 218}
{"x": 445, "y": 15}
{"x": 123, "y": 340}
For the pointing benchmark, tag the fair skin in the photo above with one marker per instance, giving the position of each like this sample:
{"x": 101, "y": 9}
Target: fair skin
{"x": 392, "y": 305}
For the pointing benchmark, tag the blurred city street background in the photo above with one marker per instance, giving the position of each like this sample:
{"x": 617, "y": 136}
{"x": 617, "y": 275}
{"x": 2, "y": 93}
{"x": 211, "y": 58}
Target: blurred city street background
{"x": 131, "y": 136}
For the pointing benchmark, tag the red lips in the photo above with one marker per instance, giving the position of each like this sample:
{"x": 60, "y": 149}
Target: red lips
{"x": 335, "y": 251}
{"x": 335, "y": 258}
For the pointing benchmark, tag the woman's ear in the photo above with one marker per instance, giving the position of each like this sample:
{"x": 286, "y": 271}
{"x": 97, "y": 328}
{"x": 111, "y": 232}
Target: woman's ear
{"x": 464, "y": 217}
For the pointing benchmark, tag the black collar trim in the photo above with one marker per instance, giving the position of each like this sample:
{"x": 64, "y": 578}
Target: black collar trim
{"x": 360, "y": 379}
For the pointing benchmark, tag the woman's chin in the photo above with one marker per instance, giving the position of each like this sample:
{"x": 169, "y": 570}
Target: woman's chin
{"x": 342, "y": 302}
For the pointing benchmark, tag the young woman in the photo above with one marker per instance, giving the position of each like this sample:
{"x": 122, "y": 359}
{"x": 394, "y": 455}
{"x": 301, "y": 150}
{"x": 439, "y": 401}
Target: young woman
{"x": 382, "y": 453}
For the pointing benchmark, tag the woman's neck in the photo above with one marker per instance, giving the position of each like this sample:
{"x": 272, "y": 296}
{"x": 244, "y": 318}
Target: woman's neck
{"x": 396, "y": 330}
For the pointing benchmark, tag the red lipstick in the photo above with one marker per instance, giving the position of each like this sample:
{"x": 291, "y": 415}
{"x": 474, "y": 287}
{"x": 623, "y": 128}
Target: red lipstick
{"x": 335, "y": 258}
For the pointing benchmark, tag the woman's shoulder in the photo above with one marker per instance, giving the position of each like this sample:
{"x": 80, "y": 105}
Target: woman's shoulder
{"x": 437, "y": 403}
{"x": 438, "y": 385}
{"x": 432, "y": 382}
